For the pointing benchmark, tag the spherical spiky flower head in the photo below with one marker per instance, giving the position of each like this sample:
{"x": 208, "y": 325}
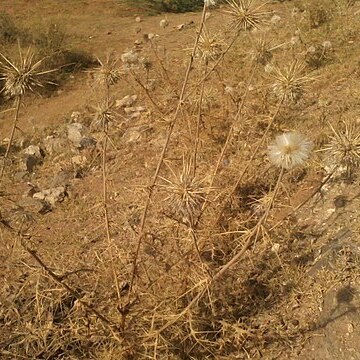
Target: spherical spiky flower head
{"x": 21, "y": 75}
{"x": 261, "y": 51}
{"x": 104, "y": 113}
{"x": 344, "y": 145}
{"x": 289, "y": 150}
{"x": 210, "y": 46}
{"x": 108, "y": 73}
{"x": 186, "y": 194}
{"x": 246, "y": 14}
{"x": 290, "y": 82}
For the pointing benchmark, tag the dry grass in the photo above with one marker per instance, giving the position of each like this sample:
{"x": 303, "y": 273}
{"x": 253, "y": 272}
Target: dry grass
{"x": 161, "y": 255}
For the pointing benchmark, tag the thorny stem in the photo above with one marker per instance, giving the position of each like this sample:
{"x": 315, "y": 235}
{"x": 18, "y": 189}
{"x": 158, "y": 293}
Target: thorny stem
{"x": 199, "y": 119}
{"x": 227, "y": 141}
{"x": 163, "y": 152}
{"x": 238, "y": 182}
{"x": 248, "y": 241}
{"x": 163, "y": 68}
{"x": 144, "y": 87}
{"x": 253, "y": 232}
{"x": 105, "y": 197}
{"x": 218, "y": 61}
{"x": 16, "y": 118}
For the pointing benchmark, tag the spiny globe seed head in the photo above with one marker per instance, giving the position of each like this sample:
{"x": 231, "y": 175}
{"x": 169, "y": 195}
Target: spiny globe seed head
{"x": 21, "y": 75}
{"x": 186, "y": 194}
{"x": 289, "y": 150}
{"x": 104, "y": 113}
{"x": 210, "y": 46}
{"x": 246, "y": 14}
{"x": 290, "y": 82}
{"x": 108, "y": 73}
{"x": 344, "y": 145}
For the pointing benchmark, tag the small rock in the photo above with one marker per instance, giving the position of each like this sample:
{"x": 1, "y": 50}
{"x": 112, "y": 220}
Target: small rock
{"x": 32, "y": 205}
{"x": 34, "y": 150}
{"x": 138, "y": 42}
{"x": 275, "y": 19}
{"x": 130, "y": 58}
{"x": 32, "y": 190}
{"x": 76, "y": 132}
{"x": 62, "y": 178}
{"x": 294, "y": 40}
{"x": 129, "y": 110}
{"x": 75, "y": 116}
{"x": 180, "y": 27}
{"x": 87, "y": 142}
{"x": 29, "y": 163}
{"x": 340, "y": 201}
{"x": 135, "y": 133}
{"x": 131, "y": 135}
{"x": 79, "y": 160}
{"x": 33, "y": 156}
{"x": 327, "y": 44}
{"x": 135, "y": 115}
{"x": 51, "y": 196}
{"x": 126, "y": 101}
{"x": 54, "y": 145}
{"x": 138, "y": 19}
{"x": 20, "y": 175}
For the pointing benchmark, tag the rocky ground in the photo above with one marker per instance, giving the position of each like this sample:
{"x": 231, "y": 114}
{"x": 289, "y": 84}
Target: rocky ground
{"x": 294, "y": 293}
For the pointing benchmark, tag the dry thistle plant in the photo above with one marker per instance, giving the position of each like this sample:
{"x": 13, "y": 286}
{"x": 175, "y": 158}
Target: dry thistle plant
{"x": 210, "y": 46}
{"x": 186, "y": 193}
{"x": 262, "y": 50}
{"x": 290, "y": 82}
{"x": 344, "y": 146}
{"x": 20, "y": 76}
{"x": 207, "y": 98}
{"x": 108, "y": 73}
{"x": 289, "y": 150}
{"x": 104, "y": 113}
{"x": 246, "y": 14}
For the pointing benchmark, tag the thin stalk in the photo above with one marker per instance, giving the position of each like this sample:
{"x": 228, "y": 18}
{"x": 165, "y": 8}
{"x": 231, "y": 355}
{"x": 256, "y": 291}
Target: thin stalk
{"x": 163, "y": 152}
{"x": 16, "y": 118}
{"x": 105, "y": 193}
{"x": 253, "y": 232}
{"x": 238, "y": 182}
{"x": 218, "y": 61}
{"x": 161, "y": 62}
{"x": 198, "y": 122}
{"x": 228, "y": 137}
{"x": 144, "y": 87}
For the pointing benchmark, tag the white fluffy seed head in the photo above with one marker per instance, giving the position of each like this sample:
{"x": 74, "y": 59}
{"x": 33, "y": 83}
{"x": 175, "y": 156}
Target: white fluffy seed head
{"x": 289, "y": 150}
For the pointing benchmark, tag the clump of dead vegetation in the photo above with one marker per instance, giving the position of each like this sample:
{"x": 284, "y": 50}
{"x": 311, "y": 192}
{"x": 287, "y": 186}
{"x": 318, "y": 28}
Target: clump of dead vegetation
{"x": 201, "y": 252}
